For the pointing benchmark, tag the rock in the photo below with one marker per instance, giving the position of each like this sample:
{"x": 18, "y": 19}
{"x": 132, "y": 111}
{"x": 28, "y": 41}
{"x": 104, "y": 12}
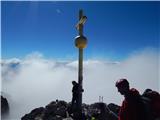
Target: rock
{"x": 113, "y": 107}
{"x": 55, "y": 109}
{"x": 57, "y": 117}
{"x": 100, "y": 111}
{"x": 4, "y": 106}
{"x": 61, "y": 103}
{"x": 35, "y": 114}
{"x": 61, "y": 111}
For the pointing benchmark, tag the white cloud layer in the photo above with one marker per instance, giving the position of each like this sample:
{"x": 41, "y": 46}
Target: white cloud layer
{"x": 35, "y": 81}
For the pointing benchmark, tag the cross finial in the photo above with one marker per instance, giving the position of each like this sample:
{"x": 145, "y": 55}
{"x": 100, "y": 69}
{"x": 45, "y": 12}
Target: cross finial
{"x": 82, "y": 20}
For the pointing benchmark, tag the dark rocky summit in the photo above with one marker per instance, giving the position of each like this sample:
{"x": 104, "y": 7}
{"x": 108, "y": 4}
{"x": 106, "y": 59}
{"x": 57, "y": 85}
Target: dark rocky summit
{"x": 61, "y": 110}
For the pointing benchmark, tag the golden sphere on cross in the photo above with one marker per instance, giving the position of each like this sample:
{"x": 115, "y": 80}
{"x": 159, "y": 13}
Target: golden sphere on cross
{"x": 81, "y": 42}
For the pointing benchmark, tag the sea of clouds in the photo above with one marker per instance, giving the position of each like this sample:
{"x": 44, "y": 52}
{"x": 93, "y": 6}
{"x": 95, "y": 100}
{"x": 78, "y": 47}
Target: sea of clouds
{"x": 35, "y": 81}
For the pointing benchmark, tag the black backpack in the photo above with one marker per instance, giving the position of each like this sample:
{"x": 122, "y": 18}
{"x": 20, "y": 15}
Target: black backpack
{"x": 147, "y": 108}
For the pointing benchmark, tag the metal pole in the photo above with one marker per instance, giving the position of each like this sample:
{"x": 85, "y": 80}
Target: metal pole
{"x": 80, "y": 70}
{"x": 80, "y": 77}
{"x": 80, "y": 43}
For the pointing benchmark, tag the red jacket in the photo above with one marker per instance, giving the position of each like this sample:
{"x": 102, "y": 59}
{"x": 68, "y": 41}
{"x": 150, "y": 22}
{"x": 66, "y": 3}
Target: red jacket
{"x": 131, "y": 108}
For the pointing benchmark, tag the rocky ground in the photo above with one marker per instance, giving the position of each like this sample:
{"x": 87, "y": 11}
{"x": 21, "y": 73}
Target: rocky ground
{"x": 61, "y": 110}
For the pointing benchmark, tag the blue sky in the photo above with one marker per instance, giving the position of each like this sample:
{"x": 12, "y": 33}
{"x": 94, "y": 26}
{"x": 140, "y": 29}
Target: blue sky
{"x": 114, "y": 29}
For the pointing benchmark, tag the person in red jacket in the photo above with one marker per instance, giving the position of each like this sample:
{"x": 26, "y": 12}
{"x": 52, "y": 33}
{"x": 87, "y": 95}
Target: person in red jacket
{"x": 132, "y": 107}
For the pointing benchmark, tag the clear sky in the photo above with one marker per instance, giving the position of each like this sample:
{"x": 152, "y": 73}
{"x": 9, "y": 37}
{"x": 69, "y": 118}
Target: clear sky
{"x": 113, "y": 29}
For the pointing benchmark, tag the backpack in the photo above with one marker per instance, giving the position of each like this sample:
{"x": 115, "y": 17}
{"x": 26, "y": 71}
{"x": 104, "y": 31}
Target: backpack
{"x": 151, "y": 101}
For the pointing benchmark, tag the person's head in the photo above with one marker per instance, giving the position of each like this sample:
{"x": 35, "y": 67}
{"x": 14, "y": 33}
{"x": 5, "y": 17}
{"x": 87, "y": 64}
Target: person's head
{"x": 122, "y": 86}
{"x": 74, "y": 82}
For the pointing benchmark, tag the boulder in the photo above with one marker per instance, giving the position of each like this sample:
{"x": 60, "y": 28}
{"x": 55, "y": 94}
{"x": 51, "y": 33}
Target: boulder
{"x": 114, "y": 108}
{"x": 4, "y": 106}
{"x": 35, "y": 114}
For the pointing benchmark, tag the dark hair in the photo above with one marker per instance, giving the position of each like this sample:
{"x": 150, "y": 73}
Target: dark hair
{"x": 74, "y": 82}
{"x": 122, "y": 82}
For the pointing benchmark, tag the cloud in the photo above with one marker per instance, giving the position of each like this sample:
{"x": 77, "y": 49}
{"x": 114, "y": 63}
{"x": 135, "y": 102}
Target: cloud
{"x": 35, "y": 81}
